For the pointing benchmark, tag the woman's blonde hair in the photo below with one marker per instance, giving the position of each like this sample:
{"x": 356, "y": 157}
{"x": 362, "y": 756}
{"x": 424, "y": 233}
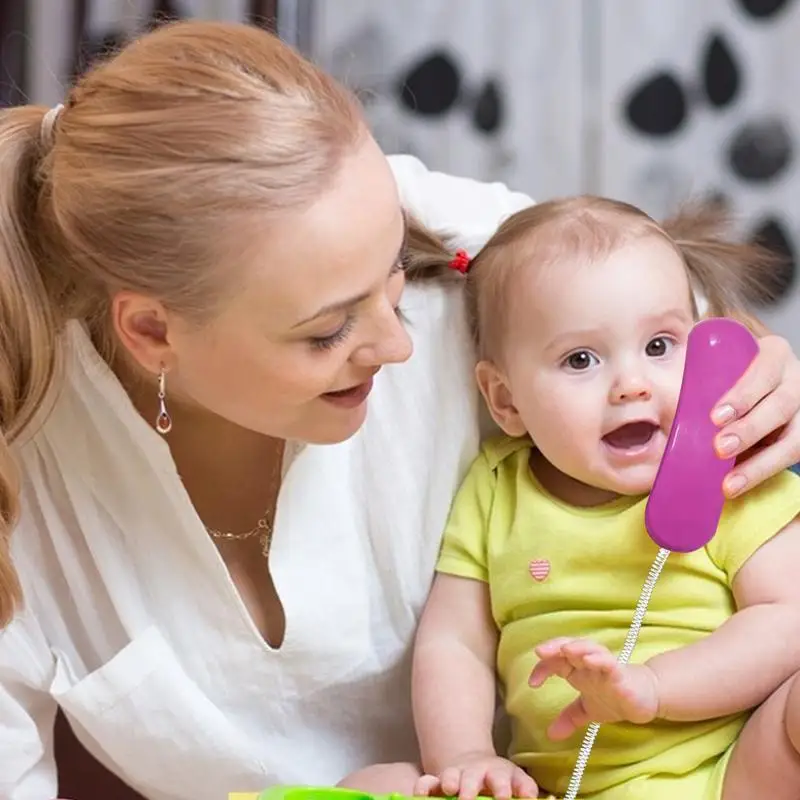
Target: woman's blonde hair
{"x": 186, "y": 132}
{"x": 728, "y": 274}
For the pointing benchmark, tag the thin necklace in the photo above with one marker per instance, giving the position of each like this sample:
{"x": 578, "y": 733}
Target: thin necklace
{"x": 265, "y": 526}
{"x": 263, "y": 529}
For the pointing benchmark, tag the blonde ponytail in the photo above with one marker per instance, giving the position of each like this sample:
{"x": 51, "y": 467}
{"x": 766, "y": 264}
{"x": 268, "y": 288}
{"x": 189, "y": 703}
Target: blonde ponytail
{"x": 27, "y": 320}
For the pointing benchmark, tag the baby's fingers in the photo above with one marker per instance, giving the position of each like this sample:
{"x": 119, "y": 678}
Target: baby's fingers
{"x": 497, "y": 782}
{"x": 547, "y": 667}
{"x": 522, "y": 785}
{"x": 552, "y": 647}
{"x": 426, "y": 786}
{"x": 591, "y": 656}
{"x": 574, "y": 716}
{"x": 450, "y": 781}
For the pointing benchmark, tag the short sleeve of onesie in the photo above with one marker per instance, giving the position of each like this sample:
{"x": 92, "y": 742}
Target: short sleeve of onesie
{"x": 463, "y": 552}
{"x": 750, "y": 521}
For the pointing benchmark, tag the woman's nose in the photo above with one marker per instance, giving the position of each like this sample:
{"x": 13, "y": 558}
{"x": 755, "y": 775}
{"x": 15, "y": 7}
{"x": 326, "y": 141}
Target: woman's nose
{"x": 391, "y": 345}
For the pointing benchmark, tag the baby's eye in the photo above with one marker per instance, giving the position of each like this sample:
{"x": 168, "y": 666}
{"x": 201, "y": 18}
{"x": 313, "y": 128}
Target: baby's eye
{"x": 658, "y": 347}
{"x": 580, "y": 360}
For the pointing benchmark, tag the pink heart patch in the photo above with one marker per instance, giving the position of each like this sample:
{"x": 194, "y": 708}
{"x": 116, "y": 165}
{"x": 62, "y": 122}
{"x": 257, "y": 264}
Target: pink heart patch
{"x": 539, "y": 569}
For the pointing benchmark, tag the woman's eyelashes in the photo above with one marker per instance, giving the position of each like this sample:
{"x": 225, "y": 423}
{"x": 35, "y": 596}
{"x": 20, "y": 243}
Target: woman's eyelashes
{"x": 395, "y": 289}
{"x": 333, "y": 339}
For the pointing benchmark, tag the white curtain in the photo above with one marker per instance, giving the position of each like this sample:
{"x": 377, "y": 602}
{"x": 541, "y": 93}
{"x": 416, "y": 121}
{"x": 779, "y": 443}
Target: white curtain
{"x": 650, "y": 101}
{"x": 647, "y": 100}
{"x": 494, "y": 91}
{"x": 736, "y": 65}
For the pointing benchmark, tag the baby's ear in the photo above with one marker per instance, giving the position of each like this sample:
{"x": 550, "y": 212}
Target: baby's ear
{"x": 494, "y": 388}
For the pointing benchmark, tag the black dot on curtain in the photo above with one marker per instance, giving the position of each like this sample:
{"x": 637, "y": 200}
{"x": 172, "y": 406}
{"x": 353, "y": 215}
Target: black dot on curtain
{"x": 721, "y": 76}
{"x": 760, "y": 151}
{"x": 432, "y": 86}
{"x": 657, "y": 106}
{"x": 487, "y": 115}
{"x": 771, "y": 233}
{"x": 763, "y": 9}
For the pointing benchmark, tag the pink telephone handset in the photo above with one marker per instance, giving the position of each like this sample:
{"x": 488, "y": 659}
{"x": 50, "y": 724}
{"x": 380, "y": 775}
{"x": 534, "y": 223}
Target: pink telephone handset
{"x": 685, "y": 503}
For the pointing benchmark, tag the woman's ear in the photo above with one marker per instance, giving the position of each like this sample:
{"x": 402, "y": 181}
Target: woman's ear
{"x": 141, "y": 326}
{"x": 497, "y": 394}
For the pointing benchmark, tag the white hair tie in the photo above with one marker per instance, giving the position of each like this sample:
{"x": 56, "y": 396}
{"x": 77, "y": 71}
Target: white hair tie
{"x": 49, "y": 123}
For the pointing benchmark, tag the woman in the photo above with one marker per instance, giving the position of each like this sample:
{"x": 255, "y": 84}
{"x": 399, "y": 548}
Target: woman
{"x": 201, "y": 279}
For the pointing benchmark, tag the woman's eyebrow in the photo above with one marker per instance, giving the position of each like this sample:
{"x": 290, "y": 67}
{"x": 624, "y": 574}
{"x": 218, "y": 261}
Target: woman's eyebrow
{"x": 339, "y": 305}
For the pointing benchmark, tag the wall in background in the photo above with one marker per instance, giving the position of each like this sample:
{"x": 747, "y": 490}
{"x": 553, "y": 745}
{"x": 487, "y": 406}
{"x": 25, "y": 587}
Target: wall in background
{"x": 45, "y": 43}
{"x": 650, "y": 102}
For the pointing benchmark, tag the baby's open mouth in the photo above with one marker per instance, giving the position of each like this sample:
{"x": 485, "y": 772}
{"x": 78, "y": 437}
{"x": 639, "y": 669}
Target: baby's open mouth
{"x": 631, "y": 436}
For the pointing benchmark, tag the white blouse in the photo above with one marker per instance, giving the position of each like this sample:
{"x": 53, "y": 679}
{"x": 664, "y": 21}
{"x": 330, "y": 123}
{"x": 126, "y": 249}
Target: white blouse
{"x": 132, "y": 624}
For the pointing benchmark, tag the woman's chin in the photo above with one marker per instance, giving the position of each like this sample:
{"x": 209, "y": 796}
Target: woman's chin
{"x": 335, "y": 425}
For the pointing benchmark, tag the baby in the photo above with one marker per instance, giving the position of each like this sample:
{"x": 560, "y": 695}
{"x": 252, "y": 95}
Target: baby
{"x": 582, "y": 308}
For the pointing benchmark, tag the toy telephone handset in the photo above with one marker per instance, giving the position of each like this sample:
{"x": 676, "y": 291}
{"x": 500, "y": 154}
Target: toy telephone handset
{"x": 685, "y": 504}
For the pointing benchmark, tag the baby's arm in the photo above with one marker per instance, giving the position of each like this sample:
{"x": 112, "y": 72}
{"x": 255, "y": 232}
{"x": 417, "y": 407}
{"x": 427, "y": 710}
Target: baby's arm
{"x": 454, "y": 684}
{"x": 454, "y": 693}
{"x": 739, "y": 665}
{"x": 733, "y": 669}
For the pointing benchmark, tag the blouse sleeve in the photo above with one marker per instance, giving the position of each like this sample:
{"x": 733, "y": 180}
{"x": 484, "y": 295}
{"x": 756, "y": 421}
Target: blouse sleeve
{"x": 27, "y": 713}
{"x": 466, "y": 209}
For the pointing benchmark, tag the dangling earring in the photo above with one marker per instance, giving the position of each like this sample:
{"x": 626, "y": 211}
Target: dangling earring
{"x": 163, "y": 420}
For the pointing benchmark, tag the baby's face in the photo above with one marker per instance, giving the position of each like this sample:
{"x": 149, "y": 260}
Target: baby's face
{"x": 595, "y": 360}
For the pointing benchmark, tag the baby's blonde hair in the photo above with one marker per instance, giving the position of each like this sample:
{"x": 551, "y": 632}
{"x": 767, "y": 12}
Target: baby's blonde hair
{"x": 725, "y": 272}
{"x": 138, "y": 184}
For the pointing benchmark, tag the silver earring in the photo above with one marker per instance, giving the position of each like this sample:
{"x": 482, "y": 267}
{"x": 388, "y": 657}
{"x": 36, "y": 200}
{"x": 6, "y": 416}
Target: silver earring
{"x": 163, "y": 420}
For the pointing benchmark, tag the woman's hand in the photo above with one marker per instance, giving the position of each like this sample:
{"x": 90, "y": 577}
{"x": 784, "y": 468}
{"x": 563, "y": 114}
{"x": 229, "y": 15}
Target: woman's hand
{"x": 759, "y": 418}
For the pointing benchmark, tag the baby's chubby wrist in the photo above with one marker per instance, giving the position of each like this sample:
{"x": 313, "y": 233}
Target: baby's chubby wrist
{"x": 647, "y": 692}
{"x": 651, "y": 686}
{"x": 458, "y": 759}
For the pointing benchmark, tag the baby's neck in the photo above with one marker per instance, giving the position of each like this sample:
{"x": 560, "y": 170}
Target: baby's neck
{"x": 566, "y": 488}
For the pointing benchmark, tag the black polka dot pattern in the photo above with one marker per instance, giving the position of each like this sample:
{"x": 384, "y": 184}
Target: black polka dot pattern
{"x": 488, "y": 113}
{"x": 434, "y": 86}
{"x": 721, "y": 78}
{"x": 657, "y": 107}
{"x": 763, "y": 9}
{"x": 760, "y": 151}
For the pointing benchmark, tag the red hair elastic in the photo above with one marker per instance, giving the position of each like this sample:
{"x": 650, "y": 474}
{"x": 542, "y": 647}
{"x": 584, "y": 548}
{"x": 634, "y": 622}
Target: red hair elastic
{"x": 460, "y": 262}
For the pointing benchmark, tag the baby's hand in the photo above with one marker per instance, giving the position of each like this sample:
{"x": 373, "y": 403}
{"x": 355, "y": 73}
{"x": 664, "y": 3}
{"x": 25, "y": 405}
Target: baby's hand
{"x": 609, "y": 692}
{"x": 482, "y": 773}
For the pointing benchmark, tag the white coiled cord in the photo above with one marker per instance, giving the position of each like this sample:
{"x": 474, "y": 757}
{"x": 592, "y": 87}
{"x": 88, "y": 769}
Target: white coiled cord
{"x": 623, "y": 658}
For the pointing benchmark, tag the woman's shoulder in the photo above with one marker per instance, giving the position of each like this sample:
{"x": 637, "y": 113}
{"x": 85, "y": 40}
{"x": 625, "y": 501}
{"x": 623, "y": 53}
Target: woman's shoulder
{"x": 468, "y": 210}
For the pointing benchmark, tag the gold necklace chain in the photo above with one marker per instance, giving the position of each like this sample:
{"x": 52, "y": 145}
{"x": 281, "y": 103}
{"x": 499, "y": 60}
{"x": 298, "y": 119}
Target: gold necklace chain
{"x": 265, "y": 526}
{"x": 263, "y": 529}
